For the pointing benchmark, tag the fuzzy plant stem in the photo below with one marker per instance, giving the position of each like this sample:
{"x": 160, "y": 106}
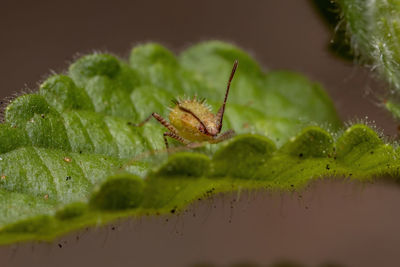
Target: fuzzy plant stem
{"x": 374, "y": 32}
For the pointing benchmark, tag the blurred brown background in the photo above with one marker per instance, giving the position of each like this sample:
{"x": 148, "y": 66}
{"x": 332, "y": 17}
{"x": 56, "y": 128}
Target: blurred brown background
{"x": 337, "y": 222}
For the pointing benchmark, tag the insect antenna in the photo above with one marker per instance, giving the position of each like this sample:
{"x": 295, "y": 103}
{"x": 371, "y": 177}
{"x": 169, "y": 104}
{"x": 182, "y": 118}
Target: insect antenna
{"x": 221, "y": 111}
{"x": 194, "y": 116}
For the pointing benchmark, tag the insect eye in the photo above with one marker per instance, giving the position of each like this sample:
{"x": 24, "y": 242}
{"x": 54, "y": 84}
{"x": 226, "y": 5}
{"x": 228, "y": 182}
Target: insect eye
{"x": 202, "y": 129}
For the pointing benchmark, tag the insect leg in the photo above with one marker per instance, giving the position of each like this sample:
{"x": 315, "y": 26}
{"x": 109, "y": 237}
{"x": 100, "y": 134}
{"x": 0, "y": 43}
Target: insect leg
{"x": 221, "y": 111}
{"x": 144, "y": 121}
{"x": 173, "y": 135}
{"x": 224, "y": 136}
{"x": 161, "y": 120}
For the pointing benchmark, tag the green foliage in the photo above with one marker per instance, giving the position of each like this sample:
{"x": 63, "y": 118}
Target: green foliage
{"x": 310, "y": 142}
{"x": 119, "y": 192}
{"x": 71, "y": 211}
{"x": 242, "y": 157}
{"x": 181, "y": 164}
{"x": 71, "y": 155}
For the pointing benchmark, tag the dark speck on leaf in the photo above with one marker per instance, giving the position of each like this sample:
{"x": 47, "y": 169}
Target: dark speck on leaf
{"x": 173, "y": 211}
{"x": 372, "y": 152}
{"x": 301, "y": 155}
{"x": 68, "y": 178}
{"x": 328, "y": 167}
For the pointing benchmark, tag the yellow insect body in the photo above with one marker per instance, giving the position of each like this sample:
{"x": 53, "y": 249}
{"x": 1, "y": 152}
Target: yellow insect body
{"x": 188, "y": 126}
{"x": 192, "y": 120}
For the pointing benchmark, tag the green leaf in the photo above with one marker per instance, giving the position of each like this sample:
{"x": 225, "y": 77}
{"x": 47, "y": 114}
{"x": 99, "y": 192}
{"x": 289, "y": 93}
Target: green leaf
{"x": 71, "y": 155}
{"x": 119, "y": 192}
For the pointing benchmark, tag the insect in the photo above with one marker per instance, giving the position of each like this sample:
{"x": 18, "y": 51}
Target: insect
{"x": 192, "y": 121}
